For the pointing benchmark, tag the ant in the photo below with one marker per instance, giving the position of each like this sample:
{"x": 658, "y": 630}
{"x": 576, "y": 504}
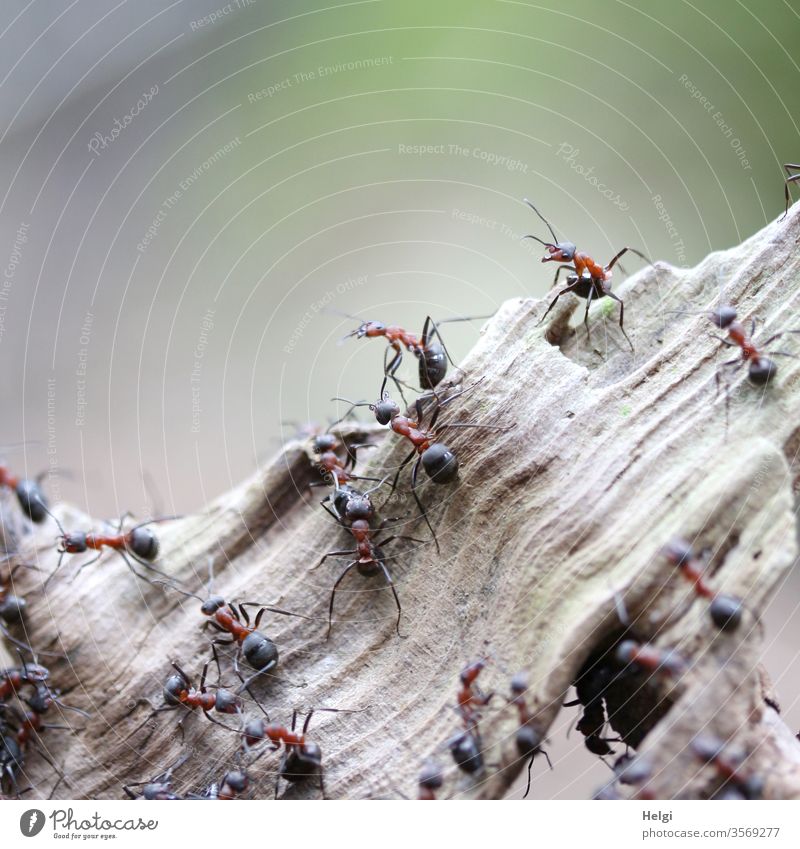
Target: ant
{"x": 590, "y": 688}
{"x": 29, "y": 494}
{"x": 354, "y": 511}
{"x": 300, "y": 759}
{"x": 159, "y": 788}
{"x": 439, "y": 462}
{"x": 643, "y": 656}
{"x": 12, "y": 680}
{"x": 334, "y": 468}
{"x": 725, "y": 610}
{"x": 470, "y": 698}
{"x": 528, "y": 739}
{"x": 710, "y": 750}
{"x": 591, "y": 280}
{"x": 791, "y": 178}
{"x": 139, "y": 544}
{"x": 432, "y": 354}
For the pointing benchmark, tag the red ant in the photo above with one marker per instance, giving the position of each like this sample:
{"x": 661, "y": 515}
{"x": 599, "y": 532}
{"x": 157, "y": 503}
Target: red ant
{"x": 430, "y": 780}
{"x": 529, "y": 739}
{"x": 300, "y": 759}
{"x": 650, "y": 658}
{"x": 439, "y": 462}
{"x": 335, "y": 469}
{"x": 139, "y": 544}
{"x": 791, "y": 178}
{"x": 470, "y": 698}
{"x": 354, "y": 511}
{"x": 725, "y": 610}
{"x": 431, "y": 353}
{"x": 29, "y": 494}
{"x": 591, "y": 280}
{"x": 710, "y": 750}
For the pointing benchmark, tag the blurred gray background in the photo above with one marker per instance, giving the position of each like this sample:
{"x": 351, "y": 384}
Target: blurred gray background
{"x": 189, "y": 188}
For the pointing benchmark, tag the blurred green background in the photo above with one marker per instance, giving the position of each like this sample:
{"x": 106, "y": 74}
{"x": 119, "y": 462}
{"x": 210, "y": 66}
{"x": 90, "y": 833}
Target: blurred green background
{"x": 188, "y": 188}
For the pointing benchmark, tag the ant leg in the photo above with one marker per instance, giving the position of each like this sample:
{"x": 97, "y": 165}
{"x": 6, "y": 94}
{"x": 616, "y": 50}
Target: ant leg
{"x": 58, "y": 566}
{"x": 622, "y": 253}
{"x": 84, "y": 565}
{"x": 778, "y": 335}
{"x": 614, "y": 297}
{"x": 793, "y": 178}
{"x": 569, "y": 288}
{"x": 390, "y": 582}
{"x": 589, "y": 299}
{"x": 333, "y": 595}
{"x": 530, "y": 766}
{"x": 405, "y": 462}
{"x": 344, "y": 552}
{"x": 559, "y": 270}
{"x": 390, "y": 369}
{"x": 424, "y": 515}
{"x": 547, "y": 758}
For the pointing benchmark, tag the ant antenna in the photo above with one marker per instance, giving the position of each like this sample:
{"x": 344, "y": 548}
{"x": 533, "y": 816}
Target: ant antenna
{"x": 552, "y": 231}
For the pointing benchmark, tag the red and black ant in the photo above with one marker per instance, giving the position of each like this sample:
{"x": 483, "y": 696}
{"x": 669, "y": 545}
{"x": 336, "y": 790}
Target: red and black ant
{"x": 139, "y": 544}
{"x": 736, "y": 784}
{"x": 354, "y": 511}
{"x": 439, "y": 462}
{"x": 725, "y": 610}
{"x": 529, "y": 739}
{"x": 791, "y": 178}
{"x": 336, "y": 470}
{"x": 29, "y": 494}
{"x": 591, "y": 280}
{"x": 300, "y": 759}
{"x": 470, "y": 698}
{"x": 432, "y": 354}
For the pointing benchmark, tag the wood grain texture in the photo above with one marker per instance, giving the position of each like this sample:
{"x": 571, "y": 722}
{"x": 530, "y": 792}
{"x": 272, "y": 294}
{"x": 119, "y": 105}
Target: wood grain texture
{"x": 610, "y": 455}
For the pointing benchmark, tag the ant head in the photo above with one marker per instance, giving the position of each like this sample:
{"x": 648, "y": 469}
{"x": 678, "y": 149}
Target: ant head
{"x": 259, "y": 651}
{"x": 312, "y": 753}
{"x": 385, "y": 410}
{"x": 156, "y": 790}
{"x": 31, "y": 500}
{"x": 226, "y": 702}
{"x": 528, "y": 740}
{"x": 73, "y": 543}
{"x": 12, "y": 609}
{"x": 560, "y": 252}
{"x": 369, "y": 328}
{"x": 626, "y": 651}
{"x": 35, "y": 674}
{"x": 723, "y": 317}
{"x": 324, "y": 442}
{"x": 173, "y": 687}
{"x": 678, "y": 551}
{"x": 431, "y": 777}
{"x": 358, "y": 506}
{"x": 255, "y": 730}
{"x": 519, "y": 684}
{"x": 211, "y": 605}
{"x": 236, "y": 780}
{"x": 761, "y": 371}
{"x": 440, "y": 464}
{"x": 726, "y": 612}
{"x": 143, "y": 543}
{"x": 41, "y": 701}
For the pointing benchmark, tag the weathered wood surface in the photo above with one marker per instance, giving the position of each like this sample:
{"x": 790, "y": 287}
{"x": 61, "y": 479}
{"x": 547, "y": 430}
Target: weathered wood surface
{"x": 611, "y": 454}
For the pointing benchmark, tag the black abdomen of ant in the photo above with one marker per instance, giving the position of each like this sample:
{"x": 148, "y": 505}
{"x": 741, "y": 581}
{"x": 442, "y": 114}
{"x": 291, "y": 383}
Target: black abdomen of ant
{"x": 31, "y": 500}
{"x": 143, "y": 543}
{"x": 466, "y": 752}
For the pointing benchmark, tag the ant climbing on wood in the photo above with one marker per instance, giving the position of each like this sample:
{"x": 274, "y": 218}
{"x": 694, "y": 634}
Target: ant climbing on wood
{"x": 528, "y": 739}
{"x": 336, "y": 470}
{"x": 139, "y": 544}
{"x": 710, "y": 750}
{"x": 354, "y": 511}
{"x": 439, "y": 462}
{"x": 470, "y": 698}
{"x": 791, "y": 178}
{"x": 590, "y": 281}
{"x": 29, "y": 494}
{"x": 725, "y": 610}
{"x": 432, "y": 354}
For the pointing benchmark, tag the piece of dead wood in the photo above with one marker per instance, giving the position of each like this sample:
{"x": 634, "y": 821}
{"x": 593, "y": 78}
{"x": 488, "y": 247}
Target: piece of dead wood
{"x": 611, "y": 455}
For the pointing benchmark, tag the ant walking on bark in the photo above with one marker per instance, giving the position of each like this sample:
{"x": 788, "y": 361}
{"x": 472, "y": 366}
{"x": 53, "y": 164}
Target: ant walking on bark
{"x": 590, "y": 280}
{"x": 139, "y": 544}
{"x": 737, "y": 784}
{"x": 354, "y": 511}
{"x": 528, "y": 739}
{"x": 431, "y": 352}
